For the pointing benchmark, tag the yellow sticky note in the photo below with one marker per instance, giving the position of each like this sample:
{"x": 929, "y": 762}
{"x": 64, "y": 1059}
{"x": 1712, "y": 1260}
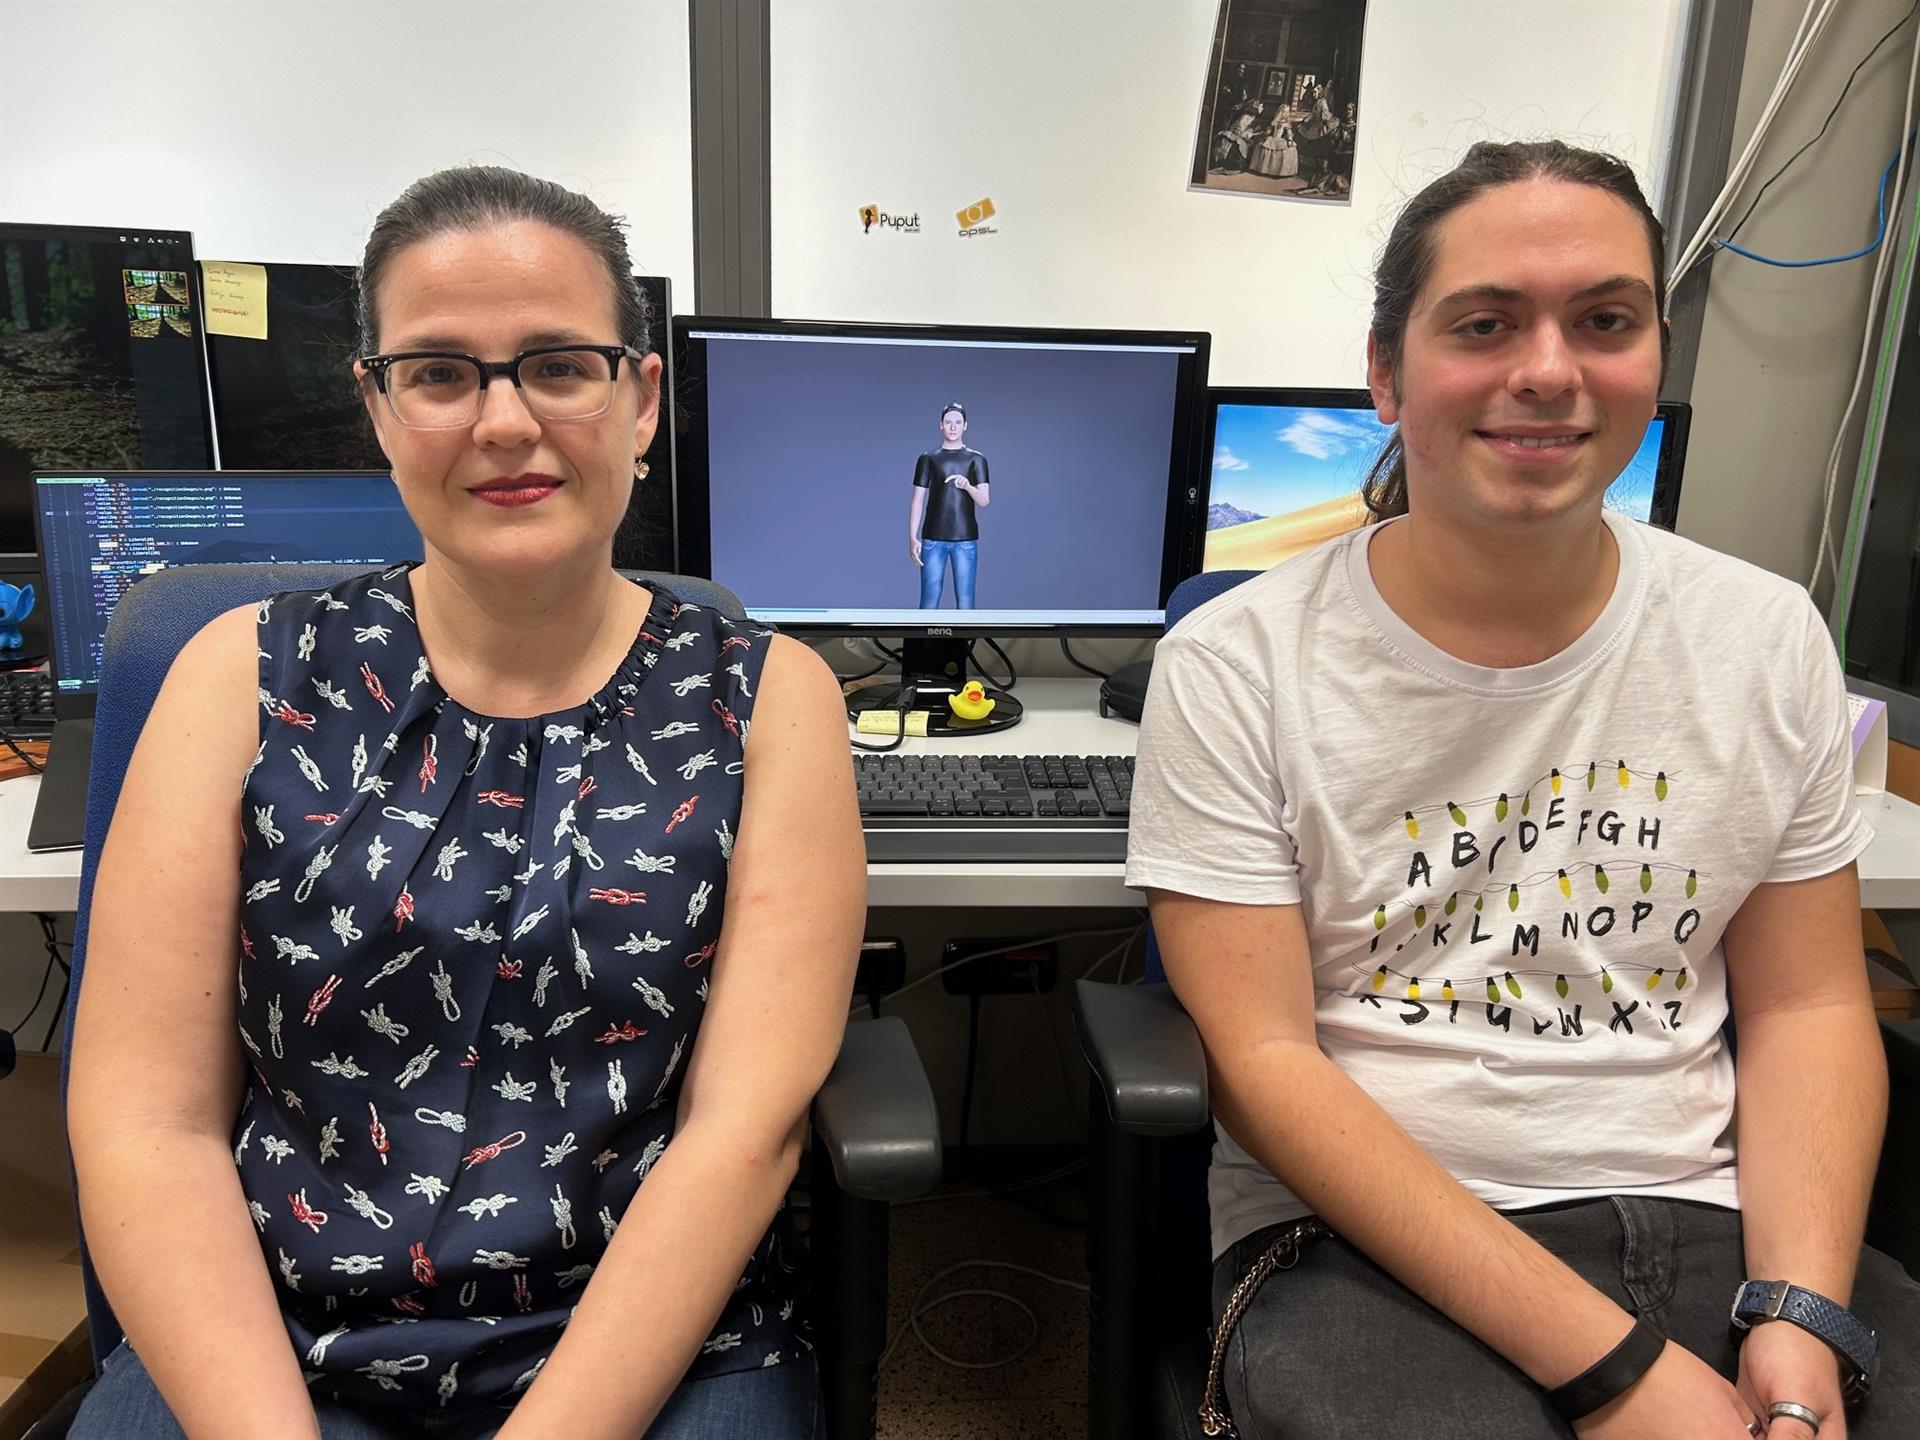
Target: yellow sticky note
{"x": 887, "y": 722}
{"x": 236, "y": 297}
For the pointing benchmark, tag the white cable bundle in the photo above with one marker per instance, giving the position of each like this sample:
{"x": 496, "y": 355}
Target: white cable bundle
{"x": 1883, "y": 268}
{"x": 1813, "y": 21}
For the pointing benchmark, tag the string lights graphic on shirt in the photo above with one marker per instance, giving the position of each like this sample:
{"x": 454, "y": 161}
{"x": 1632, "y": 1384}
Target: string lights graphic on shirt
{"x": 1560, "y": 898}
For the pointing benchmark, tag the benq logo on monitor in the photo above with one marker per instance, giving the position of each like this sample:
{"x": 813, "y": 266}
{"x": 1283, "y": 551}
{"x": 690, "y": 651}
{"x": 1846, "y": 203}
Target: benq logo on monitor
{"x": 872, "y": 215}
{"x": 939, "y": 630}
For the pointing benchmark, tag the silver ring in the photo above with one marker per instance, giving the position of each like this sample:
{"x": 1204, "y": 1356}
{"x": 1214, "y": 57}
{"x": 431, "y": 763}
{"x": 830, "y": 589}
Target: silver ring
{"x": 1756, "y": 1428}
{"x": 1787, "y": 1410}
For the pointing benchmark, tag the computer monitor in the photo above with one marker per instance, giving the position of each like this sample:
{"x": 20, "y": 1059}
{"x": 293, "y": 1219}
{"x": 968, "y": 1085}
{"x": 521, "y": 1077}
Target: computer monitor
{"x": 100, "y": 358}
{"x": 1287, "y": 466}
{"x": 811, "y": 447}
{"x": 288, "y": 401}
{"x": 100, "y": 531}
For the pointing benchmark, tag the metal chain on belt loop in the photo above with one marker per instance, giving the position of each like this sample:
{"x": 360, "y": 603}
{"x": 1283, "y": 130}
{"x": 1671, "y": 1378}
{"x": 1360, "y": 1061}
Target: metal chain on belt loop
{"x": 1282, "y": 1254}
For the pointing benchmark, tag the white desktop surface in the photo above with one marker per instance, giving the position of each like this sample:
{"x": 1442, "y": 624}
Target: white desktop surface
{"x": 1890, "y": 868}
{"x": 1062, "y": 718}
{"x": 29, "y": 881}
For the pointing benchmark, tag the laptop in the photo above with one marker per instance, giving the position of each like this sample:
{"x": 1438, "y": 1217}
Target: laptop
{"x": 101, "y": 531}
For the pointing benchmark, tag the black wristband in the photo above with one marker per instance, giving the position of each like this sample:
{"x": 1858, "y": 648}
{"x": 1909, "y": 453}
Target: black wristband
{"x": 1611, "y": 1376}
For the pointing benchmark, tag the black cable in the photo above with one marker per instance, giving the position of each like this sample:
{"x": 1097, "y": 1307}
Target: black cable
{"x": 1079, "y": 664}
{"x": 41, "y": 994}
{"x": 51, "y": 939}
{"x": 1013, "y": 677}
{"x": 1735, "y": 232}
{"x": 892, "y": 658}
{"x": 864, "y": 674}
{"x": 49, "y": 934}
{"x": 1910, "y": 652}
{"x": 32, "y": 764}
{"x": 1065, "y": 1222}
{"x": 908, "y": 694}
{"x": 973, "y": 1060}
{"x": 966, "y": 1118}
{"x": 59, "y": 1012}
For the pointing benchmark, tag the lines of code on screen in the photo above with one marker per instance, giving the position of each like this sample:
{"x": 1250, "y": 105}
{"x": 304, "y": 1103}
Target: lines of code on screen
{"x": 102, "y": 534}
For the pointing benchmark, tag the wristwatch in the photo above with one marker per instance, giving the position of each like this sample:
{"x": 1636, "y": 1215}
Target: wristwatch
{"x": 1758, "y": 1301}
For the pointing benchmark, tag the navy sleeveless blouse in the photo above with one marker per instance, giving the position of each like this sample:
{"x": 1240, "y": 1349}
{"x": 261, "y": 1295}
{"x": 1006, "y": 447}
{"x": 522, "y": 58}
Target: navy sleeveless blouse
{"x": 474, "y": 958}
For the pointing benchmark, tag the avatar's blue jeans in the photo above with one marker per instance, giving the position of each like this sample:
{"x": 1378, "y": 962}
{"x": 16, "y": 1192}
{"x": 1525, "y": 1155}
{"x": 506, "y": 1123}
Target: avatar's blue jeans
{"x": 936, "y": 556}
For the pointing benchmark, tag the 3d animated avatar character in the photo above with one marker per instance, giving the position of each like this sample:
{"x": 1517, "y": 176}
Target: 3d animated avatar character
{"x": 949, "y": 484}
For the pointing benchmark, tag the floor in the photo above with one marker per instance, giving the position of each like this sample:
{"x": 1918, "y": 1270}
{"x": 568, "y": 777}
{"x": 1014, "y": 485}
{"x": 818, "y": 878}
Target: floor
{"x": 43, "y": 1347}
{"x": 1040, "y": 1394}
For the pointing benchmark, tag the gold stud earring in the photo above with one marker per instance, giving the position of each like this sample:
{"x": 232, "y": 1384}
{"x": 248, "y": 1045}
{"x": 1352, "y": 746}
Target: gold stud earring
{"x": 640, "y": 468}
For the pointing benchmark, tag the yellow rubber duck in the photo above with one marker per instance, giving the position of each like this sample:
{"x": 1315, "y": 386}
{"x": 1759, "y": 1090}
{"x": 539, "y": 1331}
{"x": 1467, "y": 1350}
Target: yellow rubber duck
{"x": 971, "y": 701}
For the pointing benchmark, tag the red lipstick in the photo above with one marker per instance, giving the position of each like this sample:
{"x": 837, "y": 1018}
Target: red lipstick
{"x": 511, "y": 491}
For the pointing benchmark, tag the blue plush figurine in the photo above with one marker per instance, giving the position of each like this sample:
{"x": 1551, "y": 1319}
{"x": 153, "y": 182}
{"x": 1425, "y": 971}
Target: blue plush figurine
{"x": 16, "y": 603}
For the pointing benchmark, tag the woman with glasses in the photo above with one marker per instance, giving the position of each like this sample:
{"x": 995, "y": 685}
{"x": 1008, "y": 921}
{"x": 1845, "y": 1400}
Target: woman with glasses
{"x": 504, "y": 873}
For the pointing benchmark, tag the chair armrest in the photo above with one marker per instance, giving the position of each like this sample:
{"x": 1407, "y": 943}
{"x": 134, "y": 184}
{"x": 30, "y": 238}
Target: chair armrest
{"x": 1894, "y": 1222}
{"x": 1902, "y": 1039}
{"x": 1146, "y": 1057}
{"x": 876, "y": 1117}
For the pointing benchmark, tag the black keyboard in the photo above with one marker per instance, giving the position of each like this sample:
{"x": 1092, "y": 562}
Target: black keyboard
{"x": 953, "y": 808}
{"x": 26, "y": 704}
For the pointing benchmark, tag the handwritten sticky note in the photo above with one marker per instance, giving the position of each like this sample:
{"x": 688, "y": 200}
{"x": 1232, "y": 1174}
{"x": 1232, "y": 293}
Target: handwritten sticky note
{"x": 236, "y": 296}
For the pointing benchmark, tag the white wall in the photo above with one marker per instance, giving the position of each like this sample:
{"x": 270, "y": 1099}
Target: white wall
{"x": 1078, "y": 120}
{"x": 276, "y": 132}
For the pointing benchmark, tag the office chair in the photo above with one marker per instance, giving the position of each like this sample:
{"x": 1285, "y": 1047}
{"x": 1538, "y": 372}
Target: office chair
{"x": 1150, "y": 1137}
{"x": 876, "y": 1135}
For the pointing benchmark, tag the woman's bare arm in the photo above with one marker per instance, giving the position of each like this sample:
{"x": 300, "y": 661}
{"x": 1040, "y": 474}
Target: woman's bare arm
{"x": 157, "y": 1062}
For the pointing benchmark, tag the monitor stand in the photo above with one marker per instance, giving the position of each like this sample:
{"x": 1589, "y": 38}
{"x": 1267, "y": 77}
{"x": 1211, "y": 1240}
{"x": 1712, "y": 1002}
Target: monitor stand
{"x": 936, "y": 669}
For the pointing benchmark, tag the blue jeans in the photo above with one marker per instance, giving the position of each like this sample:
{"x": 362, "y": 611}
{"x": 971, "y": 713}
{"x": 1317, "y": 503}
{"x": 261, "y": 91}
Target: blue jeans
{"x": 1290, "y": 1363}
{"x": 935, "y": 558}
{"x": 779, "y": 1402}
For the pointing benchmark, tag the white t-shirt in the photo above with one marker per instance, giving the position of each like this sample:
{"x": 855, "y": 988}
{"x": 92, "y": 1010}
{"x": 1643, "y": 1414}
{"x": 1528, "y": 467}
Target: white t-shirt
{"x": 1514, "y": 882}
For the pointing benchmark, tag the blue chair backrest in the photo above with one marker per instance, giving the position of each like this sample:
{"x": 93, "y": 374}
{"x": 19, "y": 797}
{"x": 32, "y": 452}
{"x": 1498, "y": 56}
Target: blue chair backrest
{"x": 150, "y": 625}
{"x": 1189, "y": 595}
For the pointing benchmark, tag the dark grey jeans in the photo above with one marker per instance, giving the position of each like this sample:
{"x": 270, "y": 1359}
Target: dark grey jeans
{"x": 1336, "y": 1347}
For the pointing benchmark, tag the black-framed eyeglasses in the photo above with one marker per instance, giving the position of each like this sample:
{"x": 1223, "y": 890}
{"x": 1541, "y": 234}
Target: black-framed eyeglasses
{"x": 439, "y": 390}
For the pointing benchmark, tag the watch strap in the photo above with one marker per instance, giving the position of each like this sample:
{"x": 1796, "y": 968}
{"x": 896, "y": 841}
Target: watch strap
{"x": 1851, "y": 1338}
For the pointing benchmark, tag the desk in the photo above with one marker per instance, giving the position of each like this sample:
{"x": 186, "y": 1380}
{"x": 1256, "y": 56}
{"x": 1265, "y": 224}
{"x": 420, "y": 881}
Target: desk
{"x": 1062, "y": 718}
{"x": 1890, "y": 869}
{"x": 29, "y": 881}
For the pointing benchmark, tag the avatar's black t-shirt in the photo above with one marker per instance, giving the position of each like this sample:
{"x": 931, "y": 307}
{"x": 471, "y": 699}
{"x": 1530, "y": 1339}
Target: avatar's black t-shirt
{"x": 949, "y": 508}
